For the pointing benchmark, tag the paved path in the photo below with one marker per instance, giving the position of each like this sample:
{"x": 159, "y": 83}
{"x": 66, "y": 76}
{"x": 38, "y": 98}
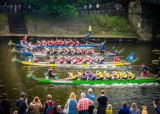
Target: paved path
{"x": 73, "y": 36}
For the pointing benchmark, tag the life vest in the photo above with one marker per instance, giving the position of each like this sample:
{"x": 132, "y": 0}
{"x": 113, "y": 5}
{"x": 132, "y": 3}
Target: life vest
{"x": 116, "y": 59}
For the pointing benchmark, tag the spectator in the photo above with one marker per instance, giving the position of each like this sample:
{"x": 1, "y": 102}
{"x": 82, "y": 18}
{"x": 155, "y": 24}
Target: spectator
{"x": 85, "y": 7}
{"x": 155, "y": 107}
{"x": 35, "y": 105}
{"x": 97, "y": 6}
{"x": 1, "y": 110}
{"x": 5, "y": 104}
{"x": 144, "y": 110}
{"x": 91, "y": 97}
{"x": 90, "y": 6}
{"x": 109, "y": 109}
{"x": 102, "y": 103}
{"x": 15, "y": 8}
{"x": 21, "y": 104}
{"x": 83, "y": 104}
{"x": 124, "y": 109}
{"x": 59, "y": 110}
{"x": 71, "y": 104}
{"x": 134, "y": 109}
{"x": 49, "y": 105}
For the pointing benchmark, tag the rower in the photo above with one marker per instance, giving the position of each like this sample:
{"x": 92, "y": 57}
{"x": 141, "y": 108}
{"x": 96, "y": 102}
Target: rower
{"x": 24, "y": 40}
{"x": 51, "y": 74}
{"x": 116, "y": 59}
{"x": 116, "y": 52}
{"x": 144, "y": 70}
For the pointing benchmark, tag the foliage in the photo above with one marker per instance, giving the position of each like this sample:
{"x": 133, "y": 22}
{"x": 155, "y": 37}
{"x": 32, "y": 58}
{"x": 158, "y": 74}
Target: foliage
{"x": 63, "y": 7}
{"x": 110, "y": 24}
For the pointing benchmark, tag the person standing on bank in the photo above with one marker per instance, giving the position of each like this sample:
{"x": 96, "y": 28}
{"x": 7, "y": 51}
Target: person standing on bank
{"x": 83, "y": 104}
{"x": 91, "y": 97}
{"x": 102, "y": 103}
{"x": 21, "y": 104}
{"x": 124, "y": 109}
{"x": 5, "y": 103}
{"x": 71, "y": 104}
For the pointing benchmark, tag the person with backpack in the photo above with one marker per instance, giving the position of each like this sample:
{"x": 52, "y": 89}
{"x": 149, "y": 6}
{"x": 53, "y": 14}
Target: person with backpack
{"x": 49, "y": 106}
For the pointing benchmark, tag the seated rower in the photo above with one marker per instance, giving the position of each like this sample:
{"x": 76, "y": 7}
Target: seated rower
{"x": 84, "y": 77}
{"x": 116, "y": 59}
{"x": 51, "y": 74}
{"x": 131, "y": 75}
{"x": 100, "y": 75}
{"x": 71, "y": 76}
{"x": 144, "y": 70}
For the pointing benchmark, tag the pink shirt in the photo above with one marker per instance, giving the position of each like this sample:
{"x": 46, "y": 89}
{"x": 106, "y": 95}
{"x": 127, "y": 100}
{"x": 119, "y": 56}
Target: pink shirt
{"x": 84, "y": 103}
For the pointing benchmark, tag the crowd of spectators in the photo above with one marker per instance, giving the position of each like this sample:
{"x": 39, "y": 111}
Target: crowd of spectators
{"x": 13, "y": 8}
{"x": 85, "y": 105}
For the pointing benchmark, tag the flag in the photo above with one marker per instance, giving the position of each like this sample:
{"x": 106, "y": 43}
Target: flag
{"x": 130, "y": 57}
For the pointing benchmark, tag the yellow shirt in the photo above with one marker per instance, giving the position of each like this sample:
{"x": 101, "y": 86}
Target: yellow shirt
{"x": 109, "y": 111}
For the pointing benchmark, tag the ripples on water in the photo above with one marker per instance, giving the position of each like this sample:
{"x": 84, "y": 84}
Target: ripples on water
{"x": 13, "y": 80}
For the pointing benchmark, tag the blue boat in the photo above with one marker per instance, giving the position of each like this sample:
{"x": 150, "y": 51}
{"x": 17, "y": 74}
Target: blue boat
{"x": 52, "y": 46}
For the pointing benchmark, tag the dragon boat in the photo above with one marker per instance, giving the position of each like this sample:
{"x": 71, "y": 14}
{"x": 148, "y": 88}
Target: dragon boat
{"x": 44, "y": 53}
{"x": 53, "y": 46}
{"x": 47, "y": 64}
{"x": 93, "y": 82}
{"x": 156, "y": 51}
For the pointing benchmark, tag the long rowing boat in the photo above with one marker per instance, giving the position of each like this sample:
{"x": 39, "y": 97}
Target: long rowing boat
{"x": 105, "y": 65}
{"x": 92, "y": 82}
{"x": 156, "y": 51}
{"x": 52, "y": 46}
{"x": 44, "y": 53}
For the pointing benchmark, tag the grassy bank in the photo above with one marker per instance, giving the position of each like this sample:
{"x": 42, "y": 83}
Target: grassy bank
{"x": 101, "y": 25}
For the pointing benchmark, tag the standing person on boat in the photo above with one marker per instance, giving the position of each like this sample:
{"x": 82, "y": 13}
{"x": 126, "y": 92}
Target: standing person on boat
{"x": 21, "y": 104}
{"x": 24, "y": 40}
{"x": 71, "y": 104}
{"x": 35, "y": 106}
{"x": 91, "y": 97}
{"x": 102, "y": 103}
{"x": 49, "y": 106}
{"x": 144, "y": 70}
{"x": 83, "y": 104}
{"x": 124, "y": 109}
{"x": 5, "y": 103}
{"x": 102, "y": 48}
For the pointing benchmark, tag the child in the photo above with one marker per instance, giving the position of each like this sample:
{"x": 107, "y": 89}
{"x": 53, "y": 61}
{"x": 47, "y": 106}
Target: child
{"x": 59, "y": 110}
{"x": 144, "y": 110}
{"x": 109, "y": 109}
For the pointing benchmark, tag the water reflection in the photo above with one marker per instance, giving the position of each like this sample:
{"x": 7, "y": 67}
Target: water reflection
{"x": 13, "y": 79}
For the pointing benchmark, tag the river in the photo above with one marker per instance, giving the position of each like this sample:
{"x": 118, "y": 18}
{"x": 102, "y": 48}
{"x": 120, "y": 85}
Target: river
{"x": 13, "y": 78}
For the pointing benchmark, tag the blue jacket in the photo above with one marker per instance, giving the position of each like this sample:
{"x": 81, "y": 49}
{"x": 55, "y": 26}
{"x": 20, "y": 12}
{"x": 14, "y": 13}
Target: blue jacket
{"x": 157, "y": 110}
{"x": 123, "y": 110}
{"x": 102, "y": 47}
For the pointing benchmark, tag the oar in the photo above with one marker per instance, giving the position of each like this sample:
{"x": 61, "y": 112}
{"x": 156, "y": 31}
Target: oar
{"x": 13, "y": 50}
{"x": 14, "y": 59}
{"x": 135, "y": 60}
{"x": 11, "y": 43}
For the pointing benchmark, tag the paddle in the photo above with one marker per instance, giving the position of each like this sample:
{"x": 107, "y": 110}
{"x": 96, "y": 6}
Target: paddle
{"x": 11, "y": 43}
